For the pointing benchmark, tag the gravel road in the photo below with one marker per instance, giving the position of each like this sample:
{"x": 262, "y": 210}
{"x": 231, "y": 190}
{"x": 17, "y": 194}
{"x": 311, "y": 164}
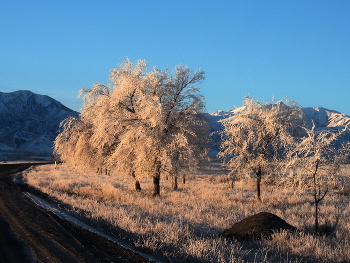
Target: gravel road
{"x": 29, "y": 233}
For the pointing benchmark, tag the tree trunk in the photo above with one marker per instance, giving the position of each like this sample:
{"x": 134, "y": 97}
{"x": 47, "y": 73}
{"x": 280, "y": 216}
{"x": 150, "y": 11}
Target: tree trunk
{"x": 156, "y": 179}
{"x": 156, "y": 185}
{"x": 317, "y": 195}
{"x": 232, "y": 183}
{"x": 175, "y": 186}
{"x": 258, "y": 184}
{"x": 137, "y": 185}
{"x": 316, "y": 216}
{"x": 137, "y": 182}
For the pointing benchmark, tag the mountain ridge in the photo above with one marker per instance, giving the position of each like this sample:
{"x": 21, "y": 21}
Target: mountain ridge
{"x": 30, "y": 121}
{"x": 322, "y": 118}
{"x": 319, "y": 116}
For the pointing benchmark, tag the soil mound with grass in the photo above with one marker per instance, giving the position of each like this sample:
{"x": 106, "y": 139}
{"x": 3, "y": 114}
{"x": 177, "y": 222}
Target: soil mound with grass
{"x": 255, "y": 227}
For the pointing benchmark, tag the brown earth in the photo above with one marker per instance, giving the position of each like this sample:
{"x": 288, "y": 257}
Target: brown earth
{"x": 30, "y": 234}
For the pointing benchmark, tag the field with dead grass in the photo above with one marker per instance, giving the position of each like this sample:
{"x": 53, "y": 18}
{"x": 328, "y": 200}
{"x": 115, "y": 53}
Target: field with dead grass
{"x": 185, "y": 225}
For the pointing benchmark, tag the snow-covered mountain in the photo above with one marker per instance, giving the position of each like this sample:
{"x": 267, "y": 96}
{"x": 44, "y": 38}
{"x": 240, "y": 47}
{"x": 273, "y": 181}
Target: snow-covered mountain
{"x": 29, "y": 121}
{"x": 323, "y": 119}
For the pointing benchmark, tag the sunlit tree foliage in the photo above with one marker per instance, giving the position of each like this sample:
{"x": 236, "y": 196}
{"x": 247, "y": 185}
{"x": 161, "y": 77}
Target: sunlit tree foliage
{"x": 317, "y": 159}
{"x": 257, "y": 138}
{"x": 143, "y": 123}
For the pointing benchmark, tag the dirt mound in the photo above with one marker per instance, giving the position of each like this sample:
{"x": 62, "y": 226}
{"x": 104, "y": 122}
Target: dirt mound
{"x": 255, "y": 227}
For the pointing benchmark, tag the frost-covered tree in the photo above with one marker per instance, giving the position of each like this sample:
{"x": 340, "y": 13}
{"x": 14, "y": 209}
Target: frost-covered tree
{"x": 72, "y": 144}
{"x": 146, "y": 122}
{"x": 318, "y": 160}
{"x": 257, "y": 138}
{"x": 75, "y": 142}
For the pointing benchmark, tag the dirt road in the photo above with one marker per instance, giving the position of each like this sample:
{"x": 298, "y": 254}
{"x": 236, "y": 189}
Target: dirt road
{"x": 39, "y": 235}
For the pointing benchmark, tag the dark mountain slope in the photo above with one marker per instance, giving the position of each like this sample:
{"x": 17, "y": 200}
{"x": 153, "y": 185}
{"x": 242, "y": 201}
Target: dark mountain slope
{"x": 29, "y": 121}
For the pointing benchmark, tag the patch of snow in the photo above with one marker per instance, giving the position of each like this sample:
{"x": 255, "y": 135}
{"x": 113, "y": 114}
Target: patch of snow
{"x": 323, "y": 117}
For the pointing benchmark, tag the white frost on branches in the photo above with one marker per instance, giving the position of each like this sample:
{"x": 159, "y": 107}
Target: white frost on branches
{"x": 141, "y": 123}
{"x": 258, "y": 137}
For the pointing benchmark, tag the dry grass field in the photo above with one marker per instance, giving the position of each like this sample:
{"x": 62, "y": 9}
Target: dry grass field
{"x": 185, "y": 225}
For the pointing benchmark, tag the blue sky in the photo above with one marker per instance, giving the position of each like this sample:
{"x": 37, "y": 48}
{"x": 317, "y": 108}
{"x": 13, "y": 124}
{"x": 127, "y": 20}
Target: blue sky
{"x": 298, "y": 49}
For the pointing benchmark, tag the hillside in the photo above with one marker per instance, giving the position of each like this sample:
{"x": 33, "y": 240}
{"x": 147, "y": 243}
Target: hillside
{"x": 29, "y": 121}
